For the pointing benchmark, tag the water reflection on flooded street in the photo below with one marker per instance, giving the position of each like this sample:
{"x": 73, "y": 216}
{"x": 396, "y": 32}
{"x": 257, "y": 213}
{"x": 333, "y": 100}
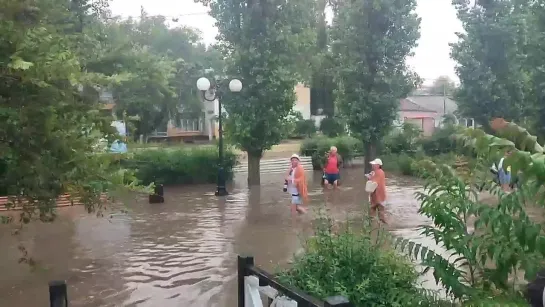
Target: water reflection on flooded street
{"x": 182, "y": 252}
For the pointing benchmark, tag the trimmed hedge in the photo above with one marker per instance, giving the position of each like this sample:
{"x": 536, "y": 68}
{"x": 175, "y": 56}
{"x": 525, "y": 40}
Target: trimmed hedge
{"x": 180, "y": 166}
{"x": 316, "y": 147}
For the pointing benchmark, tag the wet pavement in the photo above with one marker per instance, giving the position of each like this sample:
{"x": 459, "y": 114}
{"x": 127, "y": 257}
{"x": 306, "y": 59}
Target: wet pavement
{"x": 182, "y": 252}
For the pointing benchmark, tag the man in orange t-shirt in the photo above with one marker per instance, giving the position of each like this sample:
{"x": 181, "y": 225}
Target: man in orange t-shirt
{"x": 378, "y": 197}
{"x": 331, "y": 169}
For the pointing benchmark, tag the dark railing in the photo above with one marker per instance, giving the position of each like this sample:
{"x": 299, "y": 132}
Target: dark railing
{"x": 58, "y": 291}
{"x": 58, "y": 294}
{"x": 246, "y": 267}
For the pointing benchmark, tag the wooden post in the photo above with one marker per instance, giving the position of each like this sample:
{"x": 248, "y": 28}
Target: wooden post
{"x": 242, "y": 264}
{"x": 337, "y": 301}
{"x": 58, "y": 294}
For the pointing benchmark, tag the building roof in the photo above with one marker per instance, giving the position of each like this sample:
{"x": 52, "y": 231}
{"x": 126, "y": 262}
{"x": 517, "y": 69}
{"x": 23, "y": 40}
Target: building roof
{"x": 406, "y": 104}
{"x": 440, "y": 104}
{"x": 107, "y": 106}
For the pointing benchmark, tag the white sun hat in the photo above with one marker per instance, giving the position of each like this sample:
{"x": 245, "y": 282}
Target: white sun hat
{"x": 377, "y": 161}
{"x": 296, "y": 156}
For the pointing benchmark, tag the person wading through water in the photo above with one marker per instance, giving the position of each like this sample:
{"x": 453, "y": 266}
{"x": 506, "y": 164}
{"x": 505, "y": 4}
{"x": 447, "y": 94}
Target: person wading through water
{"x": 378, "y": 197}
{"x": 504, "y": 173}
{"x": 331, "y": 170}
{"x": 297, "y": 185}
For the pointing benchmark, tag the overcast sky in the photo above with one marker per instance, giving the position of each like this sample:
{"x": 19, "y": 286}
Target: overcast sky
{"x": 431, "y": 60}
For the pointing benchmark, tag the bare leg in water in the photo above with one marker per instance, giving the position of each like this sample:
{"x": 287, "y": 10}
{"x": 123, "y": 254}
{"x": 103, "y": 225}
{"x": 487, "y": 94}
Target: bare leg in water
{"x": 298, "y": 209}
{"x": 381, "y": 212}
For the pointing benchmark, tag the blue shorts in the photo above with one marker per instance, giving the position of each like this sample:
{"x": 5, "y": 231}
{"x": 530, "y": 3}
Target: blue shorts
{"x": 296, "y": 200}
{"x": 504, "y": 177}
{"x": 331, "y": 178}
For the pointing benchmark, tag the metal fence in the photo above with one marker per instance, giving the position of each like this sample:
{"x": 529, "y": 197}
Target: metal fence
{"x": 246, "y": 268}
{"x": 58, "y": 290}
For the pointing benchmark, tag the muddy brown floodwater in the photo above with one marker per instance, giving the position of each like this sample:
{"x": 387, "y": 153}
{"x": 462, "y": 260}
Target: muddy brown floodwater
{"x": 182, "y": 252}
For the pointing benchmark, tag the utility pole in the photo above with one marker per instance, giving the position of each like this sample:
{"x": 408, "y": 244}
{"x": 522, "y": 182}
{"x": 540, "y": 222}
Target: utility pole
{"x": 444, "y": 99}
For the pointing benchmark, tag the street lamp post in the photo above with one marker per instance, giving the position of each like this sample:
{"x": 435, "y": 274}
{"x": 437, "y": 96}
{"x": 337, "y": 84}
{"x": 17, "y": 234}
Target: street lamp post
{"x": 203, "y": 84}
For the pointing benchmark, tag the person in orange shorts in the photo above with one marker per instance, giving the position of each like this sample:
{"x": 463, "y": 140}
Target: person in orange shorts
{"x": 378, "y": 197}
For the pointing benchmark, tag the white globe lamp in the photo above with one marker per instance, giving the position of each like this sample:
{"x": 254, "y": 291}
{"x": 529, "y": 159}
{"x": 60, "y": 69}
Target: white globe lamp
{"x": 203, "y": 84}
{"x": 235, "y": 86}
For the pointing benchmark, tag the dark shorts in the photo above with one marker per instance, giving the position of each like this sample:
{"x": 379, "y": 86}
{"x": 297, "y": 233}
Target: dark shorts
{"x": 331, "y": 178}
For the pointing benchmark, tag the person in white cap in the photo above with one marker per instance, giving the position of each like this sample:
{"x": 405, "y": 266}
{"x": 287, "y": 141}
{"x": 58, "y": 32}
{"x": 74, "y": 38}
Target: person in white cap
{"x": 378, "y": 197}
{"x": 297, "y": 185}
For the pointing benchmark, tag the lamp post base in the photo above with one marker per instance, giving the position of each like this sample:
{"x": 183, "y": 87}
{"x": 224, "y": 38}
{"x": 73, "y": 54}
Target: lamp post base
{"x": 221, "y": 191}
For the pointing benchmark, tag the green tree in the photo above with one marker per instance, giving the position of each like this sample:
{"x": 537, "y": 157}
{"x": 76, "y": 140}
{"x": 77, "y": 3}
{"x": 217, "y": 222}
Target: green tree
{"x": 322, "y": 83}
{"x": 490, "y": 57}
{"x": 266, "y": 43}
{"x": 49, "y": 124}
{"x": 442, "y": 86}
{"x": 372, "y": 41}
{"x": 161, "y": 65}
{"x": 536, "y": 68}
{"x": 508, "y": 239}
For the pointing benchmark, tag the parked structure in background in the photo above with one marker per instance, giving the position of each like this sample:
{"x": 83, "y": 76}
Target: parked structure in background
{"x": 410, "y": 112}
{"x": 307, "y": 103}
{"x": 118, "y": 146}
{"x": 205, "y": 127}
{"x": 427, "y": 112}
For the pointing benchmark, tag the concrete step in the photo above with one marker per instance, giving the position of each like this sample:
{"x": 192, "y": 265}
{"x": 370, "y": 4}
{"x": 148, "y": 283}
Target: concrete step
{"x": 274, "y": 165}
{"x": 278, "y": 164}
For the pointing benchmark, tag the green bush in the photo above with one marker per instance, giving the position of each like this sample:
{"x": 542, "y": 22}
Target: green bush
{"x": 401, "y": 163}
{"x": 406, "y": 165}
{"x": 332, "y": 127}
{"x": 317, "y": 147}
{"x": 355, "y": 265}
{"x": 442, "y": 141}
{"x": 180, "y": 166}
{"x": 403, "y": 140}
{"x": 305, "y": 128}
{"x": 291, "y": 122}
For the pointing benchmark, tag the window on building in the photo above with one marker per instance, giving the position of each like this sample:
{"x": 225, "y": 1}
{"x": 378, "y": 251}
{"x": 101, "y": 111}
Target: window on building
{"x": 321, "y": 101}
{"x": 195, "y": 124}
{"x": 106, "y": 96}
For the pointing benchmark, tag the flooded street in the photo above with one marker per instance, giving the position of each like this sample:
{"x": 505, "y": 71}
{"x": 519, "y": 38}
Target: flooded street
{"x": 182, "y": 252}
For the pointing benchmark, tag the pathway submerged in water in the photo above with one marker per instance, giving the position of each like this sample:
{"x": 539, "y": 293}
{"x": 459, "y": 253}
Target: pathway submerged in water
{"x": 182, "y": 252}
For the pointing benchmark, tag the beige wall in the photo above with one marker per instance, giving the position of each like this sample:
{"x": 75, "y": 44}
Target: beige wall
{"x": 302, "y": 104}
{"x": 426, "y": 125}
{"x": 303, "y": 94}
{"x": 302, "y": 100}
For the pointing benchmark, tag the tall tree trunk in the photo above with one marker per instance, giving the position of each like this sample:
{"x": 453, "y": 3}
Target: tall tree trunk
{"x": 254, "y": 178}
{"x": 370, "y": 154}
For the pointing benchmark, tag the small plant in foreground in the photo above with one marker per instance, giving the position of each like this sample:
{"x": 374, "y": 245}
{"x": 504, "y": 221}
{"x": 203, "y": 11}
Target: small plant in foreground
{"x": 359, "y": 265}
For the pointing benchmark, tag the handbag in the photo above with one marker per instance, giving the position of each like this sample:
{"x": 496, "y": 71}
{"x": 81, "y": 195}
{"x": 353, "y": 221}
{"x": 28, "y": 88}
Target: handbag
{"x": 370, "y": 186}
